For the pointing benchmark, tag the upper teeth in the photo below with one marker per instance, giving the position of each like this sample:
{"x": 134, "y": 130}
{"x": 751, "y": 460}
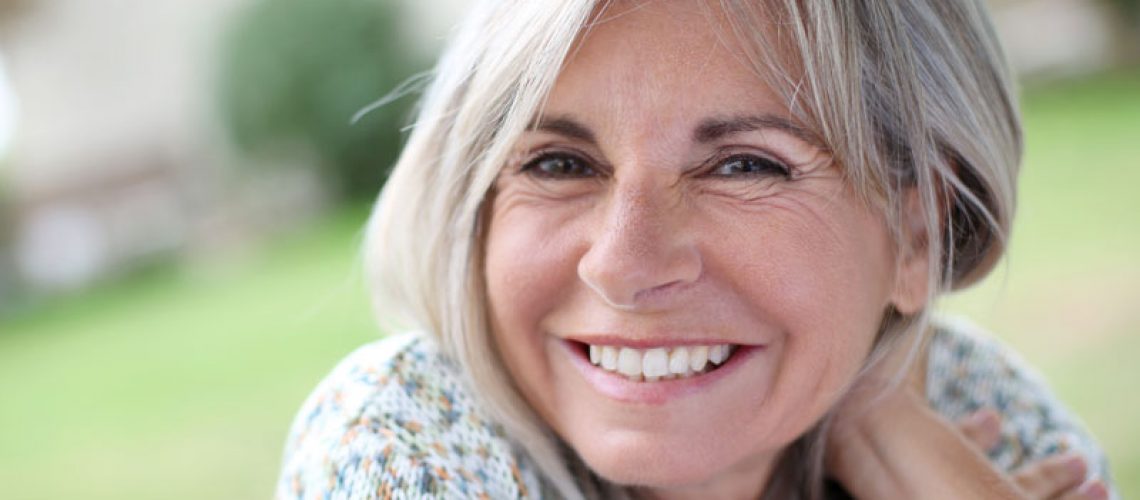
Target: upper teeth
{"x": 658, "y": 362}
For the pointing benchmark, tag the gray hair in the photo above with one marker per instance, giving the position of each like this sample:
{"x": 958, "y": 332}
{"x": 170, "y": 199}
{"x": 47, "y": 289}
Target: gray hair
{"x": 910, "y": 96}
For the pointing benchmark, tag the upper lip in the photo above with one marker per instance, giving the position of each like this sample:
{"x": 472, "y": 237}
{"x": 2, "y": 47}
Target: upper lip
{"x": 652, "y": 341}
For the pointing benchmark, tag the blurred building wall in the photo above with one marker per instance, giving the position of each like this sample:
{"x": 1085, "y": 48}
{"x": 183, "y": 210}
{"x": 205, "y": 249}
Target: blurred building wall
{"x": 114, "y": 130}
{"x": 8, "y": 109}
{"x": 117, "y": 157}
{"x": 1055, "y": 38}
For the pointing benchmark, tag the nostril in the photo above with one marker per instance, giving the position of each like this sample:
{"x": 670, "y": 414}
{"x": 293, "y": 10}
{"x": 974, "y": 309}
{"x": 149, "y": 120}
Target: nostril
{"x": 615, "y": 286}
{"x": 651, "y": 294}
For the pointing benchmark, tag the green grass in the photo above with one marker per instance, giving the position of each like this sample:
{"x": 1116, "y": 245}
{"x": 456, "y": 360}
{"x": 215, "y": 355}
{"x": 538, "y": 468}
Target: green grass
{"x": 182, "y": 383}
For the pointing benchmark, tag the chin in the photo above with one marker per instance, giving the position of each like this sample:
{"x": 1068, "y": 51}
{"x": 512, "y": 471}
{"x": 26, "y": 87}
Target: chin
{"x": 634, "y": 468}
{"x": 632, "y": 459}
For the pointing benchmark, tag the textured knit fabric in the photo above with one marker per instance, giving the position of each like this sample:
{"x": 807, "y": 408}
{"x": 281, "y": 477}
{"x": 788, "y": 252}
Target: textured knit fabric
{"x": 396, "y": 419}
{"x": 968, "y": 370}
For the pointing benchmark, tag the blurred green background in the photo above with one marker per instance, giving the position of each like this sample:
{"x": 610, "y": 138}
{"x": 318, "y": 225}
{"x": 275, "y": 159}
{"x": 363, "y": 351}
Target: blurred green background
{"x": 177, "y": 374}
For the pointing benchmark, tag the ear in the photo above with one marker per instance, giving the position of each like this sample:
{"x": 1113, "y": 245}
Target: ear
{"x": 911, "y": 277}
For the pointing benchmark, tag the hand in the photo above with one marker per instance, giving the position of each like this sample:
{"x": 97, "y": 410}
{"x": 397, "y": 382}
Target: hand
{"x": 1057, "y": 477}
{"x": 884, "y": 441}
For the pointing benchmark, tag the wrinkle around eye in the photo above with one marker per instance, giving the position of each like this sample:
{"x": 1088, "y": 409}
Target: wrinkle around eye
{"x": 818, "y": 179}
{"x": 515, "y": 187}
{"x": 740, "y": 192}
{"x": 820, "y": 163}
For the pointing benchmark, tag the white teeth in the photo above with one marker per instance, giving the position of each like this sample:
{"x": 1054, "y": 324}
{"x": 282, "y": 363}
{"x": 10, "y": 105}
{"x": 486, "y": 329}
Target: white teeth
{"x": 697, "y": 358}
{"x": 629, "y": 362}
{"x": 679, "y": 361}
{"x": 718, "y": 353}
{"x": 609, "y": 358}
{"x": 655, "y": 363}
{"x": 659, "y": 363}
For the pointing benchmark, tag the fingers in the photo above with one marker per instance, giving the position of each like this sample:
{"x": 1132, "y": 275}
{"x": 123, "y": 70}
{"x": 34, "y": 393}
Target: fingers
{"x": 1091, "y": 490}
{"x": 1056, "y": 477}
{"x": 982, "y": 428}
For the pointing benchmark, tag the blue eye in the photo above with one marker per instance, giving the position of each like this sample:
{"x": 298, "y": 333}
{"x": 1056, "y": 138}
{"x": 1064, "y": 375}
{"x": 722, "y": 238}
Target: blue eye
{"x": 559, "y": 166}
{"x": 749, "y": 166}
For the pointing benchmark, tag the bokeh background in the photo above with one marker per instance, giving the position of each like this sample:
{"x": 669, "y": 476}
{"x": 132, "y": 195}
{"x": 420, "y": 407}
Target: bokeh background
{"x": 183, "y": 184}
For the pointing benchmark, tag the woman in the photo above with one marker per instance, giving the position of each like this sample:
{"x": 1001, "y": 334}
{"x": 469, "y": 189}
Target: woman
{"x": 689, "y": 249}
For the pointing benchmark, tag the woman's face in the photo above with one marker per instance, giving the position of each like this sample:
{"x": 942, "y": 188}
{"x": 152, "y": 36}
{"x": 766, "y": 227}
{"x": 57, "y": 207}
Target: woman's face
{"x": 665, "y": 205}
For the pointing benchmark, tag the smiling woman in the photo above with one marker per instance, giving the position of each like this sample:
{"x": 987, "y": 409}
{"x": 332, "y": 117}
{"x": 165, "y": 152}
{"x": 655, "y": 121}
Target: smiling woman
{"x": 689, "y": 249}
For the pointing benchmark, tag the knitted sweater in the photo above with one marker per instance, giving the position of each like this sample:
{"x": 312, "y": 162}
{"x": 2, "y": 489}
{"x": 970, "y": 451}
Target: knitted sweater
{"x": 396, "y": 419}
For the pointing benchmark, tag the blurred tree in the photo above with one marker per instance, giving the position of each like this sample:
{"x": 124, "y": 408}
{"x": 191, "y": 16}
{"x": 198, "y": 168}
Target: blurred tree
{"x": 296, "y": 71}
{"x": 1127, "y": 25}
{"x": 1130, "y": 8}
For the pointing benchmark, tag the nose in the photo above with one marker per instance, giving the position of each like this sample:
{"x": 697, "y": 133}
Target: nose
{"x": 640, "y": 257}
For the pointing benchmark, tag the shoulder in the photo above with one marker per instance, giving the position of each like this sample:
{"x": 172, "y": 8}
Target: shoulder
{"x": 396, "y": 418}
{"x": 968, "y": 369}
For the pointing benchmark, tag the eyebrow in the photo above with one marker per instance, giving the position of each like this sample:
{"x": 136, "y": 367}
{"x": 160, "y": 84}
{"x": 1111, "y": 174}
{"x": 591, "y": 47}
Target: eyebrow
{"x": 717, "y": 128}
{"x": 564, "y": 126}
{"x": 709, "y": 130}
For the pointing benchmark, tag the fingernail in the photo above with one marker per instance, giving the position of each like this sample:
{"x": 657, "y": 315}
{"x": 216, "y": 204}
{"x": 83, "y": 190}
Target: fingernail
{"x": 984, "y": 418}
{"x": 991, "y": 422}
{"x": 1076, "y": 465}
{"x": 989, "y": 425}
{"x": 1094, "y": 489}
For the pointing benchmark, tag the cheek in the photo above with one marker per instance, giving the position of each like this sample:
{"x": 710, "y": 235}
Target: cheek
{"x": 530, "y": 267}
{"x": 810, "y": 263}
{"x": 529, "y": 263}
{"x": 820, "y": 274}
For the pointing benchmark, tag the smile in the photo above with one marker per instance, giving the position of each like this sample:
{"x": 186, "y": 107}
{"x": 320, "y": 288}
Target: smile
{"x": 660, "y": 363}
{"x": 652, "y": 375}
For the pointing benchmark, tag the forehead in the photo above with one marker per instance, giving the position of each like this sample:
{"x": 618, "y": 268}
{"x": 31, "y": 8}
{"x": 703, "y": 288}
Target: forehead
{"x": 672, "y": 60}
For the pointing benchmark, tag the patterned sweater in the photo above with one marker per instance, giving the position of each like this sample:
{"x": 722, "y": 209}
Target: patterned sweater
{"x": 395, "y": 419}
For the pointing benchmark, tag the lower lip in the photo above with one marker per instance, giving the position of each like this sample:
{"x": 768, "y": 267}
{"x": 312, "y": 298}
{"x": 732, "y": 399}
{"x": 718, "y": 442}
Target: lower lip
{"x": 619, "y": 387}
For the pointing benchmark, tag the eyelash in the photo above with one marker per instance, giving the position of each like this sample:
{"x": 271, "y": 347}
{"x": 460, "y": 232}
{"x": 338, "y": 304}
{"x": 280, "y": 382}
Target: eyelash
{"x": 581, "y": 167}
{"x": 534, "y": 166}
{"x": 767, "y": 166}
